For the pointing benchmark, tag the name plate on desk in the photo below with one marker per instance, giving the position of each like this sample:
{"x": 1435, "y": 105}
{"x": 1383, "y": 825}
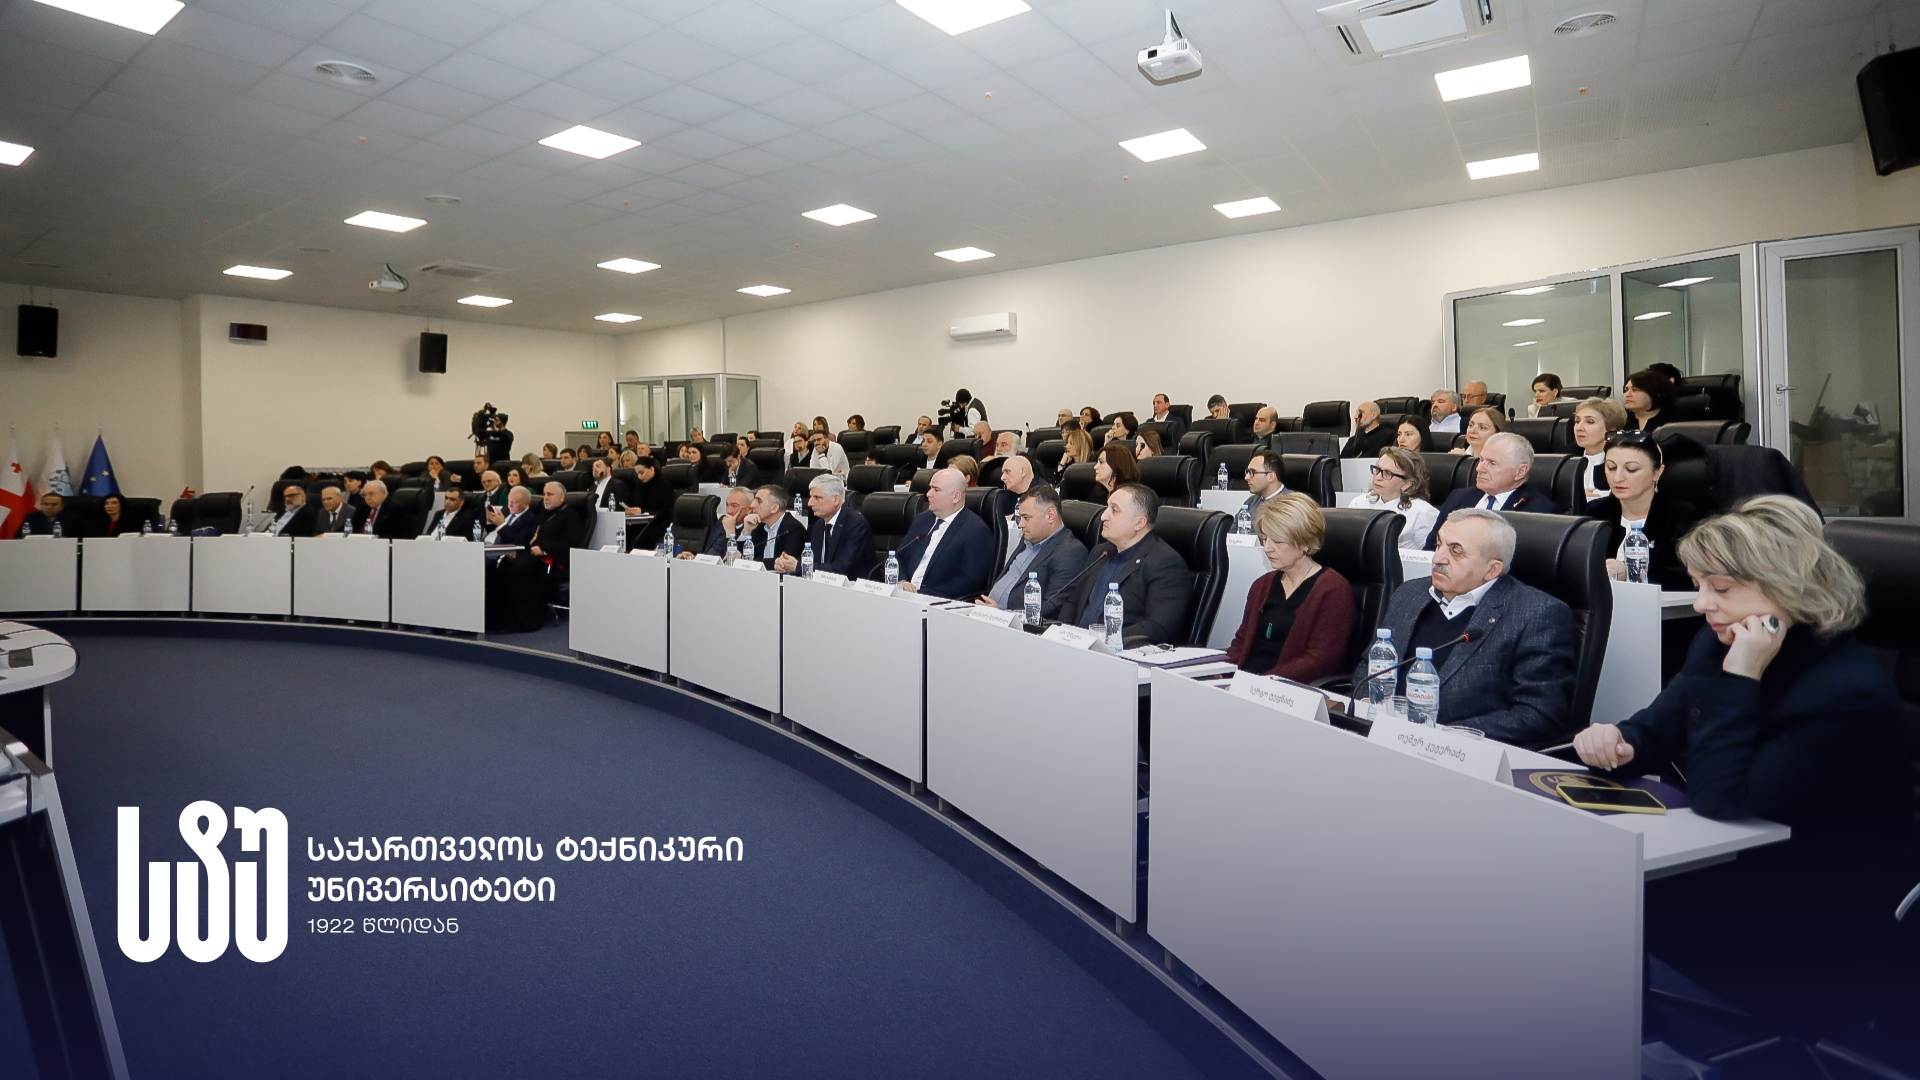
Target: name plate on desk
{"x": 1301, "y": 702}
{"x": 1243, "y": 540}
{"x": 615, "y": 548}
{"x": 1008, "y": 619}
{"x": 747, "y": 564}
{"x": 1460, "y": 752}
{"x": 871, "y": 588}
{"x": 707, "y": 560}
{"x": 824, "y": 578}
{"x": 461, "y": 539}
{"x": 1073, "y": 637}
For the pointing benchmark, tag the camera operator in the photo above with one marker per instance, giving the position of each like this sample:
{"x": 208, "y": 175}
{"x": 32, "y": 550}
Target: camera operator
{"x": 956, "y": 416}
{"x": 496, "y": 439}
{"x": 482, "y": 422}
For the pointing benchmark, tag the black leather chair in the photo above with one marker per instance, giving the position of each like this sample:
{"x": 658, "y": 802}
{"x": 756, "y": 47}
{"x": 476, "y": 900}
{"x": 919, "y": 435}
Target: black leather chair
{"x": 922, "y": 481}
{"x": 889, "y": 514}
{"x": 580, "y": 505}
{"x": 796, "y": 479}
{"x": 1498, "y": 401}
{"x": 993, "y": 505}
{"x": 88, "y": 509}
{"x": 1310, "y": 474}
{"x": 1046, "y": 456}
{"x": 1082, "y": 518}
{"x": 414, "y": 504}
{"x": 1244, "y": 412}
{"x": 1307, "y": 442}
{"x": 680, "y": 475}
{"x": 1160, "y": 428}
{"x": 1709, "y": 397}
{"x": 1078, "y": 482}
{"x": 969, "y": 446}
{"x": 1184, "y": 412}
{"x": 1224, "y": 432}
{"x": 885, "y": 436}
{"x": 1446, "y": 474}
{"x": 547, "y": 465}
{"x": 1579, "y": 394}
{"x": 219, "y": 510}
{"x": 695, "y": 517}
{"x": 767, "y": 460}
{"x": 724, "y": 438}
{"x": 1332, "y": 417}
{"x": 1173, "y": 477}
{"x": 574, "y": 479}
{"x": 1548, "y": 434}
{"x": 856, "y": 444}
{"x": 181, "y": 514}
{"x": 1887, "y": 554}
{"x": 864, "y": 480}
{"x": 1364, "y": 546}
{"x": 1562, "y": 407}
{"x": 1708, "y": 432}
{"x": 139, "y": 510}
{"x": 904, "y": 459}
{"x": 1398, "y": 405}
{"x": 1235, "y": 458}
{"x": 1565, "y": 556}
{"x": 766, "y": 444}
{"x": 1200, "y": 536}
{"x": 1041, "y": 434}
{"x": 1198, "y": 445}
{"x": 1098, "y": 433}
{"x": 629, "y": 477}
{"x": 413, "y": 468}
{"x": 1557, "y": 476}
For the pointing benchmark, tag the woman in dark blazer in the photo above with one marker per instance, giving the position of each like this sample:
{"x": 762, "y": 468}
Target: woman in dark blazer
{"x": 1298, "y": 617}
{"x": 1779, "y": 714}
{"x": 1635, "y": 461}
{"x": 1648, "y": 399}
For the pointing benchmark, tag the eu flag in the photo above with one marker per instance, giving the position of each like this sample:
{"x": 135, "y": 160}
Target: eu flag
{"x": 100, "y": 479}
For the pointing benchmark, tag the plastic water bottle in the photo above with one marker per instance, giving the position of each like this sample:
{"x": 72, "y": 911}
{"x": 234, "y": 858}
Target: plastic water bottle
{"x": 1383, "y": 660}
{"x": 733, "y": 549}
{"x": 246, "y": 523}
{"x": 893, "y": 569}
{"x": 751, "y": 547}
{"x": 1033, "y": 599}
{"x": 440, "y": 530}
{"x": 799, "y": 506}
{"x": 146, "y": 527}
{"x": 1243, "y": 521}
{"x": 478, "y": 533}
{"x": 1637, "y": 552}
{"x": 1423, "y": 690}
{"x": 1220, "y": 478}
{"x": 806, "y": 560}
{"x": 1115, "y": 610}
{"x": 666, "y": 543}
{"x": 173, "y": 526}
{"x": 57, "y": 530}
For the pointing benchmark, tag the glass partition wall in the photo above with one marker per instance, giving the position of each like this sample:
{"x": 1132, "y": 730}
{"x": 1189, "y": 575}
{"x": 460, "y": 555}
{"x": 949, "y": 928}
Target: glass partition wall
{"x": 1507, "y": 339}
{"x": 1688, "y": 314}
{"x": 666, "y": 409}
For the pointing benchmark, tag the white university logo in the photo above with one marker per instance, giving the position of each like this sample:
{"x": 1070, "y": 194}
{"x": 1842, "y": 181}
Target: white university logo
{"x": 243, "y": 895}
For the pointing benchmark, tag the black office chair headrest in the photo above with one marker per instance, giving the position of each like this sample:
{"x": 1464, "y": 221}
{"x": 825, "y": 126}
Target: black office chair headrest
{"x": 1077, "y": 482}
{"x": 1083, "y": 519}
{"x": 889, "y": 513}
{"x": 884, "y": 436}
{"x": 695, "y": 511}
{"x": 1235, "y": 458}
{"x": 870, "y": 478}
{"x": 1173, "y": 477}
{"x": 680, "y": 475}
{"x": 992, "y": 504}
{"x": 1887, "y": 554}
{"x": 1333, "y": 417}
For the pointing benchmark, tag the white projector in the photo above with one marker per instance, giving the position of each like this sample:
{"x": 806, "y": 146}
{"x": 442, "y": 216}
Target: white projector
{"x": 1172, "y": 60}
{"x": 388, "y": 282}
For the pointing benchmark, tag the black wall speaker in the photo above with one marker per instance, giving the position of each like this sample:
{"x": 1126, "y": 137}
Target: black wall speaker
{"x": 39, "y": 331}
{"x": 433, "y": 353}
{"x": 1890, "y": 99}
{"x": 246, "y": 333}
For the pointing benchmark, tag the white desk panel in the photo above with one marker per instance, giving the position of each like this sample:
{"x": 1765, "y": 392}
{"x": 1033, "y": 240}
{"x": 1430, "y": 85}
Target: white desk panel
{"x": 1322, "y": 883}
{"x": 1048, "y": 759}
{"x": 880, "y": 717}
{"x": 619, "y": 608}
{"x": 40, "y": 573}
{"x": 440, "y": 583}
{"x": 1356, "y": 475}
{"x": 1227, "y": 502}
{"x": 725, "y": 630}
{"x": 1630, "y": 674}
{"x": 243, "y": 575}
{"x": 1246, "y": 563}
{"x": 609, "y": 527}
{"x": 136, "y": 573}
{"x": 338, "y": 577}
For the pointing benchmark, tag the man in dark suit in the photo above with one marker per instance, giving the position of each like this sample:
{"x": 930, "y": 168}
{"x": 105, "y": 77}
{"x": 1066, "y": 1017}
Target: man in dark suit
{"x": 1153, "y": 579}
{"x": 53, "y": 510}
{"x": 453, "y": 517}
{"x": 1500, "y": 478}
{"x": 608, "y": 492}
{"x": 1370, "y": 436}
{"x": 842, "y": 540}
{"x": 1163, "y": 414}
{"x": 948, "y": 552}
{"x": 1512, "y": 677}
{"x": 520, "y": 585}
{"x": 381, "y": 517}
{"x": 1266, "y": 424}
{"x": 516, "y": 523}
{"x": 774, "y": 533}
{"x": 336, "y": 514}
{"x": 732, "y": 526}
{"x": 298, "y": 518}
{"x": 1047, "y": 548}
{"x": 739, "y": 471}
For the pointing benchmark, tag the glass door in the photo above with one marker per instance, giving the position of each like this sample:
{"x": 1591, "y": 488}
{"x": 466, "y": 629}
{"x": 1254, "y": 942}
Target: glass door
{"x": 666, "y": 410}
{"x": 1834, "y": 365}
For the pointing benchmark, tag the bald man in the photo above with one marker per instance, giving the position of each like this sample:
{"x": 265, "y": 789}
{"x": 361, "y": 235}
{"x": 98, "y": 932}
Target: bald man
{"x": 949, "y": 550}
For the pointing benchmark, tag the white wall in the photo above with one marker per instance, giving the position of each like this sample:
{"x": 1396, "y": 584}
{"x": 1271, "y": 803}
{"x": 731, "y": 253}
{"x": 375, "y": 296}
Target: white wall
{"x": 1341, "y": 310}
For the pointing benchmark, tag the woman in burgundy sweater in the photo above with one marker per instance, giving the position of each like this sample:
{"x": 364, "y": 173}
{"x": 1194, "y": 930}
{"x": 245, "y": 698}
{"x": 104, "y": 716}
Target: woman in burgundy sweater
{"x": 1299, "y": 617}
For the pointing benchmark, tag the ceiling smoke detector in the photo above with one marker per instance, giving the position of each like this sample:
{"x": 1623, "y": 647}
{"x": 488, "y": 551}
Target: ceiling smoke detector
{"x": 349, "y": 74}
{"x": 1591, "y": 23}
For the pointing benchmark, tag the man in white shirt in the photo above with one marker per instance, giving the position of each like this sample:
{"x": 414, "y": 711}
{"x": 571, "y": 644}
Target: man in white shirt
{"x": 608, "y": 493}
{"x": 949, "y": 550}
{"x": 1163, "y": 414}
{"x": 1446, "y": 412}
{"x": 828, "y": 455}
{"x": 297, "y": 519}
{"x": 515, "y": 524}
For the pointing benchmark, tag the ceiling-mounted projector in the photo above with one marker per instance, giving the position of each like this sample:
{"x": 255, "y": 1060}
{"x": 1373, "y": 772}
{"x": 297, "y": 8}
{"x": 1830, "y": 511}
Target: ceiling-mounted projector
{"x": 388, "y": 282}
{"x": 1172, "y": 60}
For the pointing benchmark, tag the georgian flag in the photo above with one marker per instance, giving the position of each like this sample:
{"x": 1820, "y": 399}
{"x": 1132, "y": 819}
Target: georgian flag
{"x": 16, "y": 493}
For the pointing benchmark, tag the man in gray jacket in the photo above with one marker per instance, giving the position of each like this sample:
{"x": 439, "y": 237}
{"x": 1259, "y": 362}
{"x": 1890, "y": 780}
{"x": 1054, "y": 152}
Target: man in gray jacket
{"x": 1047, "y": 547}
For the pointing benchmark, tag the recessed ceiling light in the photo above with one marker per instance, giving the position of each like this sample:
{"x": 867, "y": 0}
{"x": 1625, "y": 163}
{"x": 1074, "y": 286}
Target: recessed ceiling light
{"x": 476, "y": 300}
{"x": 374, "y": 219}
{"x": 1684, "y": 282}
{"x": 13, "y": 153}
{"x": 1524, "y": 322}
{"x": 1164, "y": 145}
{"x": 1247, "y": 207}
{"x": 628, "y": 266}
{"x": 345, "y": 72}
{"x": 146, "y": 16}
{"x": 589, "y": 142}
{"x": 764, "y": 290}
{"x": 1518, "y": 344}
{"x": 1504, "y": 166}
{"x": 960, "y": 16}
{"x": 1480, "y": 79}
{"x": 317, "y": 250}
{"x": 1534, "y": 290}
{"x": 839, "y": 214}
{"x": 965, "y": 254}
{"x": 617, "y": 316}
{"x": 264, "y": 273}
{"x": 1652, "y": 315}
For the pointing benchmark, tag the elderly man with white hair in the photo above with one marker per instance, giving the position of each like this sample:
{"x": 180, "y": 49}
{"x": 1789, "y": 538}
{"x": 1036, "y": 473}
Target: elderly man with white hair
{"x": 1499, "y": 483}
{"x": 948, "y": 551}
{"x": 842, "y": 540}
{"x": 380, "y": 517}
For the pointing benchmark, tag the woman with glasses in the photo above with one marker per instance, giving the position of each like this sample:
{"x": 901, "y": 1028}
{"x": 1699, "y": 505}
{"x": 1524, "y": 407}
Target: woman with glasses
{"x": 1482, "y": 425}
{"x": 1593, "y": 420}
{"x": 1634, "y": 464}
{"x": 1299, "y": 616}
{"x": 1400, "y": 485}
{"x": 1412, "y": 435}
{"x": 1648, "y": 399}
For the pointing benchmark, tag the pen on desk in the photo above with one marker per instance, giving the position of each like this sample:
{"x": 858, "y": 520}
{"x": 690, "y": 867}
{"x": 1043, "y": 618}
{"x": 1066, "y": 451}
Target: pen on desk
{"x": 1556, "y": 749}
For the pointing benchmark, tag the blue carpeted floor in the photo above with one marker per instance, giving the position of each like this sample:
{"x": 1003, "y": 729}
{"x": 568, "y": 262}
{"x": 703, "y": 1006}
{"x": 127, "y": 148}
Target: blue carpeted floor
{"x": 838, "y": 947}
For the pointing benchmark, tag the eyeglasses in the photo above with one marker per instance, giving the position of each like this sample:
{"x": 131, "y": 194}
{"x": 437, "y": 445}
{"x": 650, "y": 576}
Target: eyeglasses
{"x": 1628, "y": 438}
{"x": 1258, "y": 472}
{"x": 1378, "y": 471}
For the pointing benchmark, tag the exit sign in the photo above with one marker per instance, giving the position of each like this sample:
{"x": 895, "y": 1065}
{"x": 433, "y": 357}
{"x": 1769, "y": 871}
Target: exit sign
{"x": 589, "y": 425}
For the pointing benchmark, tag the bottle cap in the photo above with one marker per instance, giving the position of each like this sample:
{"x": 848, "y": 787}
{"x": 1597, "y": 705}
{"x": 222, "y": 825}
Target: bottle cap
{"x": 1383, "y": 634}
{"x": 1423, "y": 654}
{"x": 1033, "y": 575}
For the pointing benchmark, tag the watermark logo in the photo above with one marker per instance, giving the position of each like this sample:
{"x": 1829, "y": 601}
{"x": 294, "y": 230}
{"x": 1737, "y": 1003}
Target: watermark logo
{"x": 233, "y": 907}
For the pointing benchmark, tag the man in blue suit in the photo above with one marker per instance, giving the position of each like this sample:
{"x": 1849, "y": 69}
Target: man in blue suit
{"x": 516, "y": 523}
{"x": 1499, "y": 483}
{"x": 842, "y": 540}
{"x": 948, "y": 551}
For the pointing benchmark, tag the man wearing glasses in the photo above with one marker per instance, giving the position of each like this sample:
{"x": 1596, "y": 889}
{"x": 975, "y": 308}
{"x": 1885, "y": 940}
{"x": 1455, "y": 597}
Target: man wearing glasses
{"x": 1263, "y": 480}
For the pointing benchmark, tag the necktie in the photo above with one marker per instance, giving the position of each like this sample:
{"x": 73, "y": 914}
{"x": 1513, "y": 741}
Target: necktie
{"x": 1489, "y": 505}
{"x": 826, "y": 540}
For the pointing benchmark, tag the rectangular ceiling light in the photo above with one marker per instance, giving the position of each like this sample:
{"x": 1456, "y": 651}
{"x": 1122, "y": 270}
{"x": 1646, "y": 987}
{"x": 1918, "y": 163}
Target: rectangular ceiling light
{"x": 1503, "y": 166}
{"x": 1519, "y": 344}
{"x": 374, "y": 219}
{"x": 1524, "y": 322}
{"x": 1247, "y": 207}
{"x": 839, "y": 214}
{"x": 590, "y": 142}
{"x": 965, "y": 254}
{"x": 1164, "y": 145}
{"x": 264, "y": 273}
{"x": 1684, "y": 282}
{"x": 1652, "y": 315}
{"x": 617, "y": 316}
{"x": 13, "y": 153}
{"x": 960, "y": 16}
{"x": 1535, "y": 290}
{"x": 1480, "y": 79}
{"x": 764, "y": 290}
{"x": 476, "y": 300}
{"x": 628, "y": 266}
{"x": 146, "y": 16}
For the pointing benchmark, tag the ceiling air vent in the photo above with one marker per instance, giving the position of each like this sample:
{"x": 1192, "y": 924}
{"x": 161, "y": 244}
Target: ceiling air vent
{"x": 450, "y": 268}
{"x": 341, "y": 71}
{"x": 1591, "y": 22}
{"x": 1367, "y": 30}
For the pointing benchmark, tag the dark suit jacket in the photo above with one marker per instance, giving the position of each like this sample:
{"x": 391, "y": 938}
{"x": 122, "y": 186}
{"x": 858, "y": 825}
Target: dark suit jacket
{"x": 1154, "y": 586}
{"x": 558, "y": 533}
{"x": 1513, "y": 678}
{"x": 852, "y": 550}
{"x": 1668, "y": 519}
{"x": 616, "y": 497}
{"x": 460, "y": 525}
{"x": 1060, "y": 557}
{"x": 389, "y": 524}
{"x": 1175, "y": 429}
{"x": 520, "y": 530}
{"x": 303, "y": 523}
{"x": 962, "y": 562}
{"x": 38, "y": 524}
{"x": 1524, "y": 499}
{"x": 1368, "y": 444}
{"x": 748, "y": 475}
{"x": 786, "y": 542}
{"x": 338, "y": 521}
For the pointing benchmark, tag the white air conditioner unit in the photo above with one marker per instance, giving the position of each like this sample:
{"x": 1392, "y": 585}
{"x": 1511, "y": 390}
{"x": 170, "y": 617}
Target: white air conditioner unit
{"x": 977, "y": 327}
{"x": 1367, "y": 30}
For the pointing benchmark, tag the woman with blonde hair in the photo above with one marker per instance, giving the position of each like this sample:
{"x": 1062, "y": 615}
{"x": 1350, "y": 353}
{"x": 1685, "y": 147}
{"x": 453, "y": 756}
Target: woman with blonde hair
{"x": 1299, "y": 616}
{"x": 1079, "y": 451}
{"x": 531, "y": 466}
{"x": 1593, "y": 420}
{"x": 1481, "y": 426}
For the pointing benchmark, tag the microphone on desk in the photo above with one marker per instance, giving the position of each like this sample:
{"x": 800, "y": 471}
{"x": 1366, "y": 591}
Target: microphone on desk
{"x": 1091, "y": 563}
{"x": 1461, "y": 640}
